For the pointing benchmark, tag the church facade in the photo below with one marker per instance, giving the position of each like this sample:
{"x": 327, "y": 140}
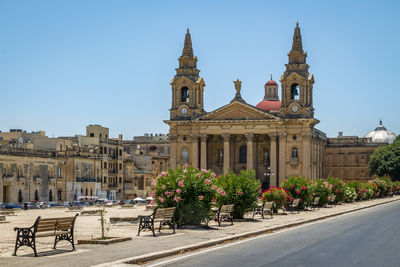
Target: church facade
{"x": 274, "y": 142}
{"x": 275, "y": 138}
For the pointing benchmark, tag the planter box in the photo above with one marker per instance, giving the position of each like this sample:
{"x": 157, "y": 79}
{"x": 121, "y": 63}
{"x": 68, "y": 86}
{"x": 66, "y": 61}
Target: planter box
{"x": 90, "y": 212}
{"x": 109, "y": 240}
{"x": 124, "y": 219}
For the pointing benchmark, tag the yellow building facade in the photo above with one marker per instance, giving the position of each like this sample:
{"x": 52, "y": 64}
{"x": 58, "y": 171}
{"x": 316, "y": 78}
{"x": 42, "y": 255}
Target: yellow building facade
{"x": 275, "y": 142}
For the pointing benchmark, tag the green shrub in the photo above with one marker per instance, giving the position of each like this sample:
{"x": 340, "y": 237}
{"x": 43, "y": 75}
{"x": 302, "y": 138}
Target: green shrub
{"x": 322, "y": 189}
{"x": 188, "y": 189}
{"x": 350, "y": 194}
{"x": 241, "y": 190}
{"x": 277, "y": 194}
{"x": 338, "y": 189}
{"x": 299, "y": 187}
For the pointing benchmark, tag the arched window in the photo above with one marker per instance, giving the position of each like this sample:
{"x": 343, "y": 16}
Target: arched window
{"x": 294, "y": 92}
{"x": 50, "y": 195}
{"x": 86, "y": 191}
{"x": 147, "y": 182}
{"x": 185, "y": 154}
{"x": 91, "y": 192}
{"x": 220, "y": 156}
{"x": 295, "y": 153}
{"x": 243, "y": 154}
{"x": 20, "y": 200}
{"x": 185, "y": 94}
{"x": 36, "y": 195}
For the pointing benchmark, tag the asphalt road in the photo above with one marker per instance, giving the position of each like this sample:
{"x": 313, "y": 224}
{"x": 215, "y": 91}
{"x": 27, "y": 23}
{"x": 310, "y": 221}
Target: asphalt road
{"x": 369, "y": 237}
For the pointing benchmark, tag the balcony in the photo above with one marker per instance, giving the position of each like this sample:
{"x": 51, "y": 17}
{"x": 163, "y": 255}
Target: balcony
{"x": 294, "y": 161}
{"x": 112, "y": 171}
{"x": 88, "y": 180}
{"x": 112, "y": 185}
{"x": 8, "y": 178}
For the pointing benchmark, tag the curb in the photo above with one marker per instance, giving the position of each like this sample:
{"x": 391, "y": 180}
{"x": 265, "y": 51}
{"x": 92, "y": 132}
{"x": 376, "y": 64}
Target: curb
{"x": 179, "y": 250}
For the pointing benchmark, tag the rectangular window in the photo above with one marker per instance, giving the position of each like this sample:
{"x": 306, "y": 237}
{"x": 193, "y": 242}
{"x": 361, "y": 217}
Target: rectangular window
{"x": 91, "y": 134}
{"x": 59, "y": 172}
{"x": 120, "y": 166}
{"x": 60, "y": 147}
{"x": 105, "y": 165}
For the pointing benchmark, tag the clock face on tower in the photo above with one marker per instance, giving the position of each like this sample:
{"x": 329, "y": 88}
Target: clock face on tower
{"x": 295, "y": 109}
{"x": 184, "y": 111}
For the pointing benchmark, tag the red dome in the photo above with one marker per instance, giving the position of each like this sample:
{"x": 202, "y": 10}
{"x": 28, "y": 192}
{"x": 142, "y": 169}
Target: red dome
{"x": 271, "y": 82}
{"x": 268, "y": 105}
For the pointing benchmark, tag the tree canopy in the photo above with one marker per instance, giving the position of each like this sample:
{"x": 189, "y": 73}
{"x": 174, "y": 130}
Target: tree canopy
{"x": 386, "y": 160}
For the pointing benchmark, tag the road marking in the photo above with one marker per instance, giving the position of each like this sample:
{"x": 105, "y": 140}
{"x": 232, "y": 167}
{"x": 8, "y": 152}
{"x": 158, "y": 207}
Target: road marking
{"x": 249, "y": 239}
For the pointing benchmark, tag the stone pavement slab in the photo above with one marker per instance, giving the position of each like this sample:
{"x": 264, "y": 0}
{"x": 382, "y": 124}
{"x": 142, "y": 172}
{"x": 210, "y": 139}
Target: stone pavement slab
{"x": 145, "y": 244}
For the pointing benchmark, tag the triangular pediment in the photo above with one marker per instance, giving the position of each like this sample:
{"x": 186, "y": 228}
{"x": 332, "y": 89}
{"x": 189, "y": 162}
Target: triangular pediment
{"x": 238, "y": 111}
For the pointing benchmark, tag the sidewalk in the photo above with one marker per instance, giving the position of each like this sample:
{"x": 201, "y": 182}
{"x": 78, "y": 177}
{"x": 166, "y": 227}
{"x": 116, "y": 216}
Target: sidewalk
{"x": 165, "y": 244}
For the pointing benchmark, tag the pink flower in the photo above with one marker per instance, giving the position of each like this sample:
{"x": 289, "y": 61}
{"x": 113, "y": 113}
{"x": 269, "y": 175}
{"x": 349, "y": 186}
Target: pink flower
{"x": 240, "y": 192}
{"x": 185, "y": 166}
{"x": 185, "y": 171}
{"x": 207, "y": 181}
{"x": 163, "y": 187}
{"x": 223, "y": 193}
{"x": 297, "y": 191}
{"x": 201, "y": 197}
{"x": 213, "y": 175}
{"x": 153, "y": 194}
{"x": 161, "y": 199}
{"x": 180, "y": 183}
{"x": 177, "y": 199}
{"x": 178, "y": 191}
{"x": 337, "y": 190}
{"x": 152, "y": 202}
{"x": 203, "y": 171}
{"x": 329, "y": 198}
{"x": 304, "y": 188}
{"x": 213, "y": 187}
{"x": 163, "y": 174}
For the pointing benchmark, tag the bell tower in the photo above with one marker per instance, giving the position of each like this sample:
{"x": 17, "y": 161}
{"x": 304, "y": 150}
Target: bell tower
{"x": 297, "y": 82}
{"x": 187, "y": 86}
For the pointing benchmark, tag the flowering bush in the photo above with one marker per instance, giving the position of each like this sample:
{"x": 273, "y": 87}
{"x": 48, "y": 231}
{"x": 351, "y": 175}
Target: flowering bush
{"x": 338, "y": 188}
{"x": 299, "y": 187}
{"x": 241, "y": 190}
{"x": 188, "y": 189}
{"x": 384, "y": 186}
{"x": 323, "y": 189}
{"x": 350, "y": 194}
{"x": 277, "y": 194}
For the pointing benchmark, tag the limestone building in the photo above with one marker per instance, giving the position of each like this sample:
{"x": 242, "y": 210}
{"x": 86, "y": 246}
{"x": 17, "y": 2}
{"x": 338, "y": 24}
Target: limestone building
{"x": 277, "y": 138}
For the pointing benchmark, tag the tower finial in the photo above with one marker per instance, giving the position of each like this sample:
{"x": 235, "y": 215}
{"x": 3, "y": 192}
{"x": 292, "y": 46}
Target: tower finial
{"x": 297, "y": 43}
{"x": 187, "y": 47}
{"x": 380, "y": 122}
{"x": 271, "y": 76}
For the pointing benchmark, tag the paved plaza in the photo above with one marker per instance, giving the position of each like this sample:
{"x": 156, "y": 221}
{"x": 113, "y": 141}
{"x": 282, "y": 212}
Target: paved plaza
{"x": 89, "y": 226}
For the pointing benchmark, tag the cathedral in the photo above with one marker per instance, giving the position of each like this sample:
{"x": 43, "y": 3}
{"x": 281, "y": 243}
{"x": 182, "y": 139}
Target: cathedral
{"x": 276, "y": 138}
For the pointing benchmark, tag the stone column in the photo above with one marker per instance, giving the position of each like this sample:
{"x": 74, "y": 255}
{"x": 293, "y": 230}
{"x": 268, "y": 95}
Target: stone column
{"x": 306, "y": 154}
{"x": 203, "y": 160}
{"x": 195, "y": 150}
{"x": 282, "y": 156}
{"x": 227, "y": 155}
{"x": 172, "y": 139}
{"x": 273, "y": 161}
{"x": 250, "y": 163}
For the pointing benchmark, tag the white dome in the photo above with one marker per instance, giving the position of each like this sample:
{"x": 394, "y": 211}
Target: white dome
{"x": 381, "y": 135}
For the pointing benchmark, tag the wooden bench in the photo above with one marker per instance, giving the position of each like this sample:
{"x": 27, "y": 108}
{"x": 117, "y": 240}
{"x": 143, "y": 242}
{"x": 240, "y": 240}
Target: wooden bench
{"x": 61, "y": 228}
{"x": 332, "y": 201}
{"x": 163, "y": 215}
{"x": 266, "y": 207}
{"x": 315, "y": 203}
{"x": 295, "y": 204}
{"x": 225, "y": 213}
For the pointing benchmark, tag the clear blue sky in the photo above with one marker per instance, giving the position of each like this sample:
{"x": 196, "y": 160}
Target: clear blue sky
{"x": 67, "y": 64}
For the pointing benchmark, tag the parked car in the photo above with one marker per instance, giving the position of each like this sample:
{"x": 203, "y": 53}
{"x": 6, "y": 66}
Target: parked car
{"x": 30, "y": 205}
{"x": 128, "y": 201}
{"x": 2, "y": 206}
{"x": 101, "y": 201}
{"x": 42, "y": 205}
{"x": 109, "y": 203}
{"x": 12, "y": 206}
{"x": 67, "y": 204}
{"x": 78, "y": 203}
{"x": 55, "y": 204}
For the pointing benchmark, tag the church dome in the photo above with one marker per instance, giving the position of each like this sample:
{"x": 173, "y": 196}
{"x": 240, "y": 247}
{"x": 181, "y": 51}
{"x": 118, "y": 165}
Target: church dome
{"x": 271, "y": 82}
{"x": 381, "y": 135}
{"x": 269, "y": 105}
